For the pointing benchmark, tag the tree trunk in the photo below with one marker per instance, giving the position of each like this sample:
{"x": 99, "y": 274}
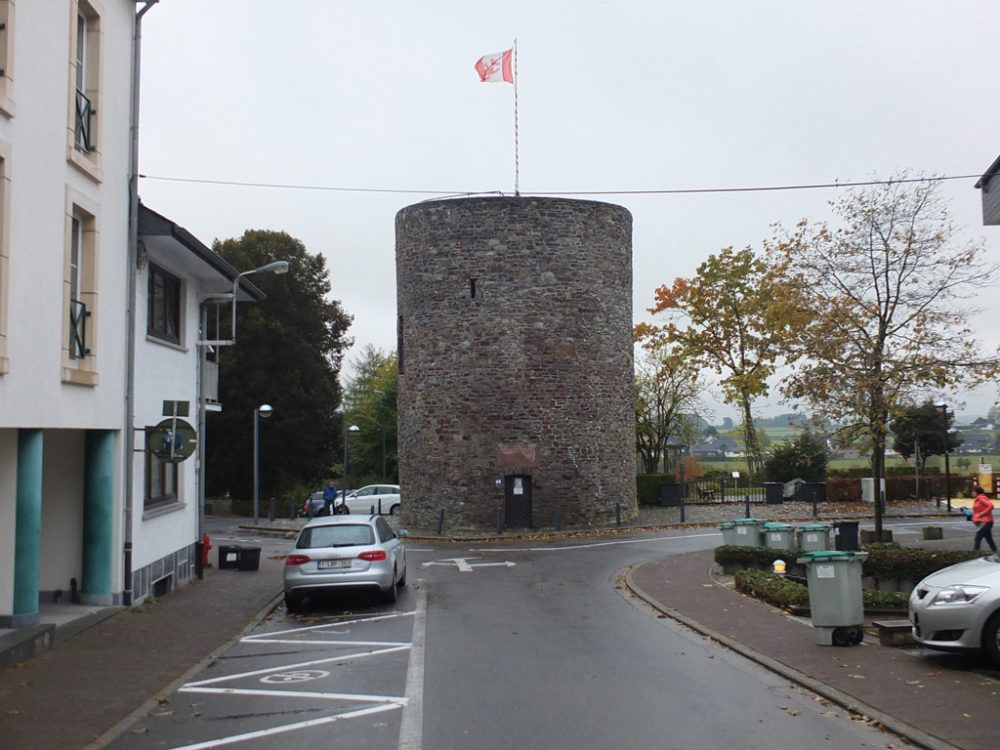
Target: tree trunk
{"x": 750, "y": 439}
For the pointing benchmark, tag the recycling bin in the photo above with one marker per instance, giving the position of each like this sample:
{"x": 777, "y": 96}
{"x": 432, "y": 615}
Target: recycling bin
{"x": 779, "y": 535}
{"x": 836, "y": 603}
{"x": 748, "y": 532}
{"x": 813, "y": 536}
{"x": 249, "y": 558}
{"x": 728, "y": 529}
{"x": 229, "y": 556}
{"x": 846, "y": 535}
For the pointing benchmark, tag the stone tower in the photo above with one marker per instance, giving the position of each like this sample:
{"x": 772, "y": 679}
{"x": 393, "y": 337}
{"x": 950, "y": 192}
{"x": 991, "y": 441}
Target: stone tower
{"x": 516, "y": 386}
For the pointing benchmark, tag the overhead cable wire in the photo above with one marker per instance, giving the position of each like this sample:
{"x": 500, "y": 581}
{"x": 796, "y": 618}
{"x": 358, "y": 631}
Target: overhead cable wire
{"x": 665, "y": 191}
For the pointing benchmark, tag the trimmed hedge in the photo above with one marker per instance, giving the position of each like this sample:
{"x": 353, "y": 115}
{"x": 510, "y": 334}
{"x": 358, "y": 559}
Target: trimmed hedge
{"x": 781, "y": 592}
{"x": 885, "y": 562}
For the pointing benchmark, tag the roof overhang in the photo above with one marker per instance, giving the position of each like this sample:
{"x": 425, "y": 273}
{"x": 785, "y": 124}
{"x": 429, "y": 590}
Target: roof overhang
{"x": 173, "y": 246}
{"x": 989, "y": 174}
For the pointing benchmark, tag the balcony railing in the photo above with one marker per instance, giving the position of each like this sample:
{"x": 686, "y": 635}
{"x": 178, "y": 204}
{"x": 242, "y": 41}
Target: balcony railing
{"x": 78, "y": 315}
{"x": 84, "y": 118}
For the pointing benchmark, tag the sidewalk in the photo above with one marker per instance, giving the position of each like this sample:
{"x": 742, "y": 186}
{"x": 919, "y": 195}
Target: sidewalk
{"x": 922, "y": 695}
{"x": 91, "y": 683}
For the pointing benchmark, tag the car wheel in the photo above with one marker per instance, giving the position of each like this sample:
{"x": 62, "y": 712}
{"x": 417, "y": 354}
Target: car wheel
{"x": 402, "y": 579}
{"x": 391, "y": 594}
{"x": 394, "y": 509}
{"x": 991, "y": 638}
{"x": 293, "y": 602}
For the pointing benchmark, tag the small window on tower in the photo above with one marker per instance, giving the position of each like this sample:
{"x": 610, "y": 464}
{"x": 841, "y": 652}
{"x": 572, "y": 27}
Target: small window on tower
{"x": 472, "y": 288}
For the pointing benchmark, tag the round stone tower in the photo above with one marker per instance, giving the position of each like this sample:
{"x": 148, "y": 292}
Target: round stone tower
{"x": 516, "y": 387}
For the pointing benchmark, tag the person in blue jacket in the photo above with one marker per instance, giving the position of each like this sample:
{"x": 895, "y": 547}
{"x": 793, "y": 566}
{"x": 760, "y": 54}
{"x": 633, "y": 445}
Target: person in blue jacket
{"x": 329, "y": 498}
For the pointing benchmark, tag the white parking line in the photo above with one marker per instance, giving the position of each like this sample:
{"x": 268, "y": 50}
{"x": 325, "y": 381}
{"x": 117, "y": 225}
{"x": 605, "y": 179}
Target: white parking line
{"x": 300, "y": 694}
{"x": 411, "y": 729}
{"x": 595, "y": 544}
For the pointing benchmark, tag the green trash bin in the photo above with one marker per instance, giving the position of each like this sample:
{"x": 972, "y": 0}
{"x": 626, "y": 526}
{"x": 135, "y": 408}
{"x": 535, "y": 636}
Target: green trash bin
{"x": 813, "y": 536}
{"x": 728, "y": 529}
{"x": 748, "y": 532}
{"x": 836, "y": 603}
{"x": 779, "y": 535}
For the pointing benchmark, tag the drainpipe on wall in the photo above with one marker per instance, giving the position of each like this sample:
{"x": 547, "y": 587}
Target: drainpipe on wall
{"x": 130, "y": 316}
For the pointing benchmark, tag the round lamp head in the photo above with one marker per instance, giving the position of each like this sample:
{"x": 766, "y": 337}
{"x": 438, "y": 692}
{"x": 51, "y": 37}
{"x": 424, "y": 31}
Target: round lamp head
{"x": 265, "y": 410}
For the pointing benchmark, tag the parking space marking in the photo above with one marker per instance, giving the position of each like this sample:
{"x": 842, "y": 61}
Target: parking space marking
{"x": 288, "y": 728}
{"x": 411, "y": 729}
{"x": 329, "y": 628}
{"x": 397, "y": 699}
{"x": 596, "y": 544}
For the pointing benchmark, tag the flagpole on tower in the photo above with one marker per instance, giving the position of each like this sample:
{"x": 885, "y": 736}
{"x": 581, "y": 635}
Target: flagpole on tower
{"x": 517, "y": 158}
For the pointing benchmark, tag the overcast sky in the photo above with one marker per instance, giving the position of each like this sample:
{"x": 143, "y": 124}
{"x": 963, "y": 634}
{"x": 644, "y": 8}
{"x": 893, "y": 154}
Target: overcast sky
{"x": 344, "y": 98}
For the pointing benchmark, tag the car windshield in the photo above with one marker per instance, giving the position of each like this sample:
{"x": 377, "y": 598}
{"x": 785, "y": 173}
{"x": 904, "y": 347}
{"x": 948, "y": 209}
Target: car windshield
{"x": 339, "y": 535}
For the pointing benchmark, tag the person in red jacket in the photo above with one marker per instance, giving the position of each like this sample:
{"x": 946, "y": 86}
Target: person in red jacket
{"x": 982, "y": 516}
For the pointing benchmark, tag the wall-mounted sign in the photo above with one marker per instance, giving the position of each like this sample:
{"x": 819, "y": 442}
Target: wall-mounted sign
{"x": 172, "y": 440}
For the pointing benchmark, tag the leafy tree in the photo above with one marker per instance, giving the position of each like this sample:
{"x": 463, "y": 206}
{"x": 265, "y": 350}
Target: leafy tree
{"x": 666, "y": 400}
{"x": 288, "y": 354}
{"x": 370, "y": 399}
{"x": 730, "y": 319}
{"x": 921, "y": 431}
{"x": 885, "y": 289}
{"x": 805, "y": 457}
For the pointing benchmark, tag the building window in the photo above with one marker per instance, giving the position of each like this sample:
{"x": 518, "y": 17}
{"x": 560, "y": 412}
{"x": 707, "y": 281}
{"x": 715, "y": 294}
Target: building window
{"x": 7, "y": 58}
{"x": 161, "y": 479}
{"x": 85, "y": 64}
{"x": 164, "y": 316}
{"x": 80, "y": 296}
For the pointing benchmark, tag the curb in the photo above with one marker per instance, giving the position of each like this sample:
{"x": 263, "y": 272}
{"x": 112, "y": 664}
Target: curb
{"x": 122, "y": 726}
{"x": 849, "y": 703}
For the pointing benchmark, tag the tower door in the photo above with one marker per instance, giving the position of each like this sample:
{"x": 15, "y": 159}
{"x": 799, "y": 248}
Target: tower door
{"x": 517, "y": 501}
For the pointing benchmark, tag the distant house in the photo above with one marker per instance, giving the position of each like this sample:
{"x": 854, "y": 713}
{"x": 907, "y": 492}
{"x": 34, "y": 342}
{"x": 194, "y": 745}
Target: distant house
{"x": 716, "y": 448}
{"x": 989, "y": 184}
{"x": 976, "y": 442}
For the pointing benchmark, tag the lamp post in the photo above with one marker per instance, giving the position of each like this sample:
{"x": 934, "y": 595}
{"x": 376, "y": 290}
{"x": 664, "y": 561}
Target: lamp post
{"x": 347, "y": 432}
{"x": 947, "y": 450}
{"x": 278, "y": 266}
{"x": 264, "y": 410}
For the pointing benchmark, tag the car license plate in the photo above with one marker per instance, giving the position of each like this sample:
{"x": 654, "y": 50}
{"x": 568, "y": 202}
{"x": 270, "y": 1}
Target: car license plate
{"x": 338, "y": 563}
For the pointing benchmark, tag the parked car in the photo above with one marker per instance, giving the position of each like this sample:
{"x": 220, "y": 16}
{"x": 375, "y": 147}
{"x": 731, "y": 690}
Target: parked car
{"x": 372, "y": 498}
{"x": 958, "y": 608}
{"x": 344, "y": 553}
{"x": 318, "y": 504}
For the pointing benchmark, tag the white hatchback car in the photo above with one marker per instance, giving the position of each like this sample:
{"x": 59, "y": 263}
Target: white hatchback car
{"x": 958, "y": 608}
{"x": 372, "y": 498}
{"x": 343, "y": 553}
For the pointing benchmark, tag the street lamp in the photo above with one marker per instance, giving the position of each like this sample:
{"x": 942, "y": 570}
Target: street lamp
{"x": 278, "y": 266}
{"x": 347, "y": 431}
{"x": 264, "y": 410}
{"x": 947, "y": 467}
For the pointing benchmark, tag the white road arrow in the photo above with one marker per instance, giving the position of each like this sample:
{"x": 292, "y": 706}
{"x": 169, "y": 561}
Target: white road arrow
{"x": 464, "y": 566}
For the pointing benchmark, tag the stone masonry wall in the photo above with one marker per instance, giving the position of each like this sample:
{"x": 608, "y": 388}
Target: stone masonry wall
{"x": 515, "y": 346}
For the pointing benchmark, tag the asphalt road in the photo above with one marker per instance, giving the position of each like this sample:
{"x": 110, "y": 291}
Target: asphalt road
{"x": 511, "y": 646}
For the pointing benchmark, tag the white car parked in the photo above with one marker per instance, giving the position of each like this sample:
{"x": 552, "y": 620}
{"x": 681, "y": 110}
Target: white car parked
{"x": 373, "y": 498}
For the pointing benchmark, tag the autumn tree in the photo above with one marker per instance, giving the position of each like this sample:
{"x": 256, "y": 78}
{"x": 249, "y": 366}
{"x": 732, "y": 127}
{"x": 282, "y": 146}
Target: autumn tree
{"x": 727, "y": 318}
{"x": 370, "y": 403}
{"x": 288, "y": 354}
{"x": 923, "y": 430}
{"x": 887, "y": 289}
{"x": 666, "y": 404}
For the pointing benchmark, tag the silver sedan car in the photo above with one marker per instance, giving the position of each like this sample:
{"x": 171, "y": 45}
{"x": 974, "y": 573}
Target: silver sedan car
{"x": 958, "y": 608}
{"x": 339, "y": 553}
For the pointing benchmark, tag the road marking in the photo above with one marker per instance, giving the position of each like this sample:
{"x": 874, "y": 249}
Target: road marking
{"x": 289, "y": 727}
{"x": 411, "y": 728}
{"x": 301, "y": 675}
{"x": 595, "y": 544}
{"x": 339, "y": 624}
{"x": 464, "y": 566}
{"x": 301, "y": 694}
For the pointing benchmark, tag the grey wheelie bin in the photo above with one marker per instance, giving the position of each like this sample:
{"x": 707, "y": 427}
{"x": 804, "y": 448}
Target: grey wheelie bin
{"x": 835, "y": 597}
{"x": 813, "y": 536}
{"x": 728, "y": 529}
{"x": 748, "y": 532}
{"x": 779, "y": 535}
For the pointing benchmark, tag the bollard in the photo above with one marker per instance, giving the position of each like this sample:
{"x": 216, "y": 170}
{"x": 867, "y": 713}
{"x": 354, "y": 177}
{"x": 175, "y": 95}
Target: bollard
{"x": 682, "y": 509}
{"x": 499, "y": 523}
{"x": 815, "y": 510}
{"x": 558, "y": 520}
{"x": 441, "y": 522}
{"x": 748, "y": 507}
{"x": 618, "y": 515}
{"x": 380, "y": 506}
{"x": 273, "y": 511}
{"x": 291, "y": 508}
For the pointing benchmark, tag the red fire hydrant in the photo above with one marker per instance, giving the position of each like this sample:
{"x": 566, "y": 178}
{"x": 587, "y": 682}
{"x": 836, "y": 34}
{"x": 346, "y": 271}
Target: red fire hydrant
{"x": 206, "y": 545}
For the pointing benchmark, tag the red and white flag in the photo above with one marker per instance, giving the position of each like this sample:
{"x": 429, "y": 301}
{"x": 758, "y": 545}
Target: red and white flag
{"x": 496, "y": 68}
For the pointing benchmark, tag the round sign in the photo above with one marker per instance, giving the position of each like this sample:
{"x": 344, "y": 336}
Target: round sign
{"x": 172, "y": 440}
